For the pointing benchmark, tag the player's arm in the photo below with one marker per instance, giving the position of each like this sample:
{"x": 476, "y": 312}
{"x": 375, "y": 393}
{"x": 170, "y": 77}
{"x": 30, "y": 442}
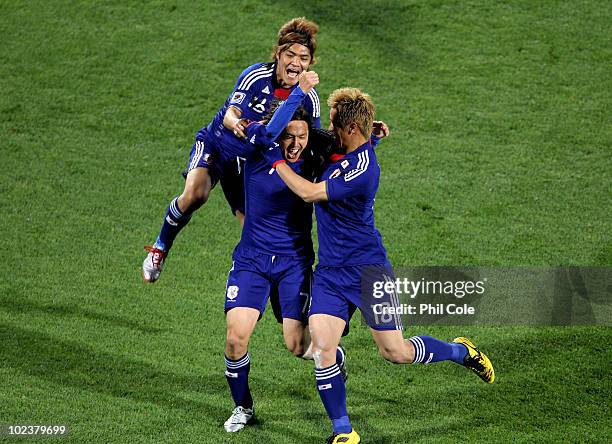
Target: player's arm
{"x": 281, "y": 118}
{"x": 313, "y": 105}
{"x": 380, "y": 130}
{"x": 258, "y": 133}
{"x": 358, "y": 182}
{"x": 231, "y": 120}
{"x": 239, "y": 100}
{"x": 355, "y": 183}
{"x": 306, "y": 190}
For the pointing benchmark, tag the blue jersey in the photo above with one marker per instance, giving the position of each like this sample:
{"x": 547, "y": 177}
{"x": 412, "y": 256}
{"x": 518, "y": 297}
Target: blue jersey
{"x": 254, "y": 92}
{"x": 347, "y": 235}
{"x": 277, "y": 221}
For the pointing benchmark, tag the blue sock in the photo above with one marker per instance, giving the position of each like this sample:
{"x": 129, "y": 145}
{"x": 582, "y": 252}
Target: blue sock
{"x": 174, "y": 221}
{"x": 428, "y": 349}
{"x": 333, "y": 394}
{"x": 237, "y": 375}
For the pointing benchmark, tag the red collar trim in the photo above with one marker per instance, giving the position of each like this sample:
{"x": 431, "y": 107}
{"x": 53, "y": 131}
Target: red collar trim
{"x": 282, "y": 93}
{"x": 336, "y": 157}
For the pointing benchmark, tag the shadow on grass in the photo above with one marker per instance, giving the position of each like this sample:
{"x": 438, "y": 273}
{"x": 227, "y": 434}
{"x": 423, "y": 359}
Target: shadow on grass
{"x": 520, "y": 397}
{"x": 68, "y": 363}
{"x": 72, "y": 364}
{"x": 367, "y": 23}
{"x": 25, "y": 306}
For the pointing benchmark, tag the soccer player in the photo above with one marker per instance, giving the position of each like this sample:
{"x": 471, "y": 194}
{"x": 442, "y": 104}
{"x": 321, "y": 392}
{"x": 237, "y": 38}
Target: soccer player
{"x": 352, "y": 257}
{"x": 275, "y": 252}
{"x": 215, "y": 154}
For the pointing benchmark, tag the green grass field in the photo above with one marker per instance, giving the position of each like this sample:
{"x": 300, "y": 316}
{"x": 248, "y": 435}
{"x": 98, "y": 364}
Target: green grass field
{"x": 500, "y": 155}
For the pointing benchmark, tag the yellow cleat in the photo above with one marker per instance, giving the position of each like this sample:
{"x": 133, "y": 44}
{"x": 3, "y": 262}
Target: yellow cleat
{"x": 477, "y": 361}
{"x": 345, "y": 438}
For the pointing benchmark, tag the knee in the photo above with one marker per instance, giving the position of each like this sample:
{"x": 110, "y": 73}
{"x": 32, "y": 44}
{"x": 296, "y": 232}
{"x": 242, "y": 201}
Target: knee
{"x": 236, "y": 344}
{"x": 295, "y": 346}
{"x": 323, "y": 355}
{"x": 193, "y": 198}
{"x": 294, "y": 339}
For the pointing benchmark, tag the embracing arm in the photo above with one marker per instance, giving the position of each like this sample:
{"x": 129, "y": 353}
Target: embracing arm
{"x": 306, "y": 190}
{"x": 231, "y": 120}
{"x": 379, "y": 130}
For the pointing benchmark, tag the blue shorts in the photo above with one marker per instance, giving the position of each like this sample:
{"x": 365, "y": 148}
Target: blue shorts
{"x": 339, "y": 291}
{"x": 229, "y": 170}
{"x": 255, "y": 276}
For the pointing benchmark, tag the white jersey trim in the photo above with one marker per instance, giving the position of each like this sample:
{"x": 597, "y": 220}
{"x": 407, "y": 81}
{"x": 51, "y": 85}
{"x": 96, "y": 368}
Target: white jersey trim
{"x": 252, "y": 74}
{"x": 258, "y": 77}
{"x": 362, "y": 166}
{"x": 316, "y": 105}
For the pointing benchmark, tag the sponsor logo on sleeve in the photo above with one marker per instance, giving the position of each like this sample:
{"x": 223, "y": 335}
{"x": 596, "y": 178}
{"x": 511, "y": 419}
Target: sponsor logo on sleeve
{"x": 237, "y": 97}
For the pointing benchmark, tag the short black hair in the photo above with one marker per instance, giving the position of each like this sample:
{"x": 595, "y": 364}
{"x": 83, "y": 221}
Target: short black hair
{"x": 300, "y": 114}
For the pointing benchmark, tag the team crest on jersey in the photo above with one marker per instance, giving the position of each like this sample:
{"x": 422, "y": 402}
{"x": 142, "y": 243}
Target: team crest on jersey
{"x": 232, "y": 292}
{"x": 335, "y": 174}
{"x": 344, "y": 163}
{"x": 266, "y": 90}
{"x": 238, "y": 97}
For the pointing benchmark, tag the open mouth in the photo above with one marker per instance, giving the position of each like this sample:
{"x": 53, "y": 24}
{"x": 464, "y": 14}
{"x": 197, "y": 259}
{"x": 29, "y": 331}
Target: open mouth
{"x": 292, "y": 73}
{"x": 292, "y": 153}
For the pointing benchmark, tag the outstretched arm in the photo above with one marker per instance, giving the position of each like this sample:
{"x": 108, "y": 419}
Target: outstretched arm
{"x": 284, "y": 113}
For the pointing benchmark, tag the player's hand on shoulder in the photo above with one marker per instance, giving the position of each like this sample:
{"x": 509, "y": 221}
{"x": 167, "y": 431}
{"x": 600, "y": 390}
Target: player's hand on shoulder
{"x": 308, "y": 80}
{"x": 380, "y": 129}
{"x": 238, "y": 128}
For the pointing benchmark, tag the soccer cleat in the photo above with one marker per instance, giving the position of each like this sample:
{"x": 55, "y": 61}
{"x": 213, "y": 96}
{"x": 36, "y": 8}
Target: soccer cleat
{"x": 153, "y": 263}
{"x": 477, "y": 361}
{"x": 240, "y": 417}
{"x": 344, "y": 438}
{"x": 342, "y": 365}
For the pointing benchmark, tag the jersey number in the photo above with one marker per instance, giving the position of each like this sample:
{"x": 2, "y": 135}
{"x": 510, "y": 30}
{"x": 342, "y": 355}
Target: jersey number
{"x": 260, "y": 107}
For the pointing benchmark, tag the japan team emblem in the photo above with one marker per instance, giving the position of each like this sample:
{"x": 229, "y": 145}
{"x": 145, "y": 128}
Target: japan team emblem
{"x": 232, "y": 292}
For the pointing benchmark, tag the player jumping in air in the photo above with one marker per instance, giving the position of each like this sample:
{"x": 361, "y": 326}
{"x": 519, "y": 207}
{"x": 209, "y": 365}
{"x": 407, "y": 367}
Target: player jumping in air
{"x": 275, "y": 253}
{"x": 352, "y": 258}
{"x": 216, "y": 151}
